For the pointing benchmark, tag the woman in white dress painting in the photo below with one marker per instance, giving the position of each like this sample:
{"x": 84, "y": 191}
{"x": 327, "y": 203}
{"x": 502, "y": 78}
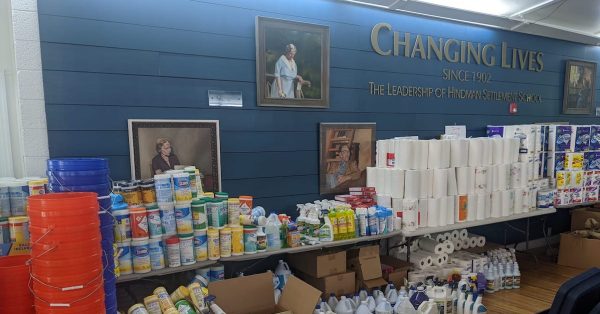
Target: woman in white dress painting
{"x": 286, "y": 72}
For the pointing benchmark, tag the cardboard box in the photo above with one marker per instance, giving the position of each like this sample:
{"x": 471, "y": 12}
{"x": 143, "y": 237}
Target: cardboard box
{"x": 340, "y": 284}
{"x": 367, "y": 265}
{"x": 579, "y": 216}
{"x": 254, "y": 295}
{"x": 317, "y": 264}
{"x": 578, "y": 252}
{"x": 399, "y": 270}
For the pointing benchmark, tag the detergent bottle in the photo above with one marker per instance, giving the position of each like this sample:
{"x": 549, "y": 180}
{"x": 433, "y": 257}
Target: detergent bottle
{"x": 478, "y": 307}
{"x": 352, "y": 303}
{"x": 380, "y": 298}
{"x": 460, "y": 304}
{"x": 392, "y": 294}
{"x": 334, "y": 224}
{"x": 384, "y": 307}
{"x": 324, "y": 305}
{"x": 282, "y": 272}
{"x": 363, "y": 308}
{"x": 388, "y": 287}
{"x": 342, "y": 223}
{"x": 350, "y": 222}
{"x": 419, "y": 297}
{"x": 371, "y": 303}
{"x": 516, "y": 276}
{"x": 490, "y": 278}
{"x": 344, "y": 306}
{"x": 463, "y": 284}
{"x": 404, "y": 306}
{"x": 317, "y": 309}
{"x": 508, "y": 275}
{"x": 376, "y": 293}
{"x": 333, "y": 301}
{"x": 442, "y": 296}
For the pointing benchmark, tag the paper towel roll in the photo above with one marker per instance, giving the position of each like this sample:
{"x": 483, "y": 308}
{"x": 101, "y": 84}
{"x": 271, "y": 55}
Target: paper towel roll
{"x": 434, "y": 159}
{"x": 450, "y": 200}
{"x": 387, "y": 182}
{"x": 515, "y": 175}
{"x": 473, "y": 242}
{"x": 490, "y": 148}
{"x": 404, "y": 154}
{"x": 503, "y": 176}
{"x": 380, "y": 179}
{"x": 464, "y": 175}
{"x": 384, "y": 200}
{"x": 506, "y": 151}
{"x": 481, "y": 174}
{"x": 440, "y": 237}
{"x": 495, "y": 170}
{"x": 475, "y": 152}
{"x": 425, "y": 187}
{"x": 443, "y": 211}
{"x": 423, "y": 211}
{"x": 481, "y": 242}
{"x": 455, "y": 235}
{"x": 433, "y": 212}
{"x": 440, "y": 183}
{"x": 480, "y": 212}
{"x": 488, "y": 205}
{"x": 463, "y": 233}
{"x": 448, "y": 247}
{"x": 518, "y": 201}
{"x": 391, "y": 154}
{"x": 397, "y": 183}
{"x": 432, "y": 246}
{"x": 371, "y": 176}
{"x": 459, "y": 153}
{"x": 466, "y": 243}
{"x": 528, "y": 199}
{"x": 486, "y": 151}
{"x": 397, "y": 204}
{"x": 489, "y": 184}
{"x": 458, "y": 244}
{"x": 496, "y": 204}
{"x": 514, "y": 152}
{"x": 382, "y": 150}
{"x": 421, "y": 154}
{"x": 452, "y": 188}
{"x": 445, "y": 163}
{"x": 497, "y": 151}
{"x": 440, "y": 259}
{"x": 412, "y": 184}
{"x": 472, "y": 207}
{"x": 507, "y": 202}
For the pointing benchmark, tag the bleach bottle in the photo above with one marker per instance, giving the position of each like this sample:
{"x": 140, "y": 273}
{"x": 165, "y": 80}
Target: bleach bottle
{"x": 324, "y": 305}
{"x": 282, "y": 272}
{"x": 363, "y": 308}
{"x": 419, "y": 297}
{"x": 272, "y": 230}
{"x": 333, "y": 301}
{"x": 344, "y": 306}
{"x": 384, "y": 307}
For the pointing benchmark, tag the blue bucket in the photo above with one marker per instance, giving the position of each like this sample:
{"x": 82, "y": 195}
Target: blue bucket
{"x": 112, "y": 310}
{"x": 76, "y": 178}
{"x": 109, "y": 274}
{"x": 106, "y": 220}
{"x": 108, "y": 234}
{"x": 77, "y": 164}
{"x": 105, "y": 203}
{"x": 102, "y": 189}
{"x": 110, "y": 300}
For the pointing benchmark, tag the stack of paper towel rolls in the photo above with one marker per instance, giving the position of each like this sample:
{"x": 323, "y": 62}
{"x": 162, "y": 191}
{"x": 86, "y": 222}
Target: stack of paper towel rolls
{"x": 431, "y": 183}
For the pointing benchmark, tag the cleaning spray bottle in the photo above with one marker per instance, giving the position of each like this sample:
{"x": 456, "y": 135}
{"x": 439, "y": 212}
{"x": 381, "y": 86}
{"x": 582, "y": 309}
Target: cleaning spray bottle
{"x": 478, "y": 307}
{"x": 326, "y": 232}
{"x": 468, "y": 303}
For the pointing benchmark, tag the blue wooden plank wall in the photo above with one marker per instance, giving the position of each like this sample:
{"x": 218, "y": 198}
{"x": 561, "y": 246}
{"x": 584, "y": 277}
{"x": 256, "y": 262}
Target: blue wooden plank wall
{"x": 106, "y": 61}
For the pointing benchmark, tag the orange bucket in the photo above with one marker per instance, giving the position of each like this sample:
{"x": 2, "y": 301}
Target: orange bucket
{"x": 57, "y": 233}
{"x": 60, "y": 250}
{"x": 63, "y": 201}
{"x": 14, "y": 284}
{"x": 51, "y": 294}
{"x": 53, "y": 273}
{"x": 91, "y": 304}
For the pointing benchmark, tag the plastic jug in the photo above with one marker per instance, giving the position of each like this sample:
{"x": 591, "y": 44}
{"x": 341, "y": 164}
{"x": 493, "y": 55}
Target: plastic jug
{"x": 356, "y": 299}
{"x": 333, "y": 301}
{"x": 363, "y": 308}
{"x": 317, "y": 310}
{"x": 460, "y": 303}
{"x": 352, "y": 302}
{"x": 371, "y": 303}
{"x": 389, "y": 286}
{"x": 403, "y": 306}
{"x": 442, "y": 296}
{"x": 479, "y": 308}
{"x": 376, "y": 293}
{"x": 468, "y": 304}
{"x": 392, "y": 295}
{"x": 272, "y": 229}
{"x": 282, "y": 272}
{"x": 419, "y": 297}
{"x": 380, "y": 298}
{"x": 363, "y": 294}
{"x": 324, "y": 305}
{"x": 428, "y": 307}
{"x": 384, "y": 307}
{"x": 344, "y": 306}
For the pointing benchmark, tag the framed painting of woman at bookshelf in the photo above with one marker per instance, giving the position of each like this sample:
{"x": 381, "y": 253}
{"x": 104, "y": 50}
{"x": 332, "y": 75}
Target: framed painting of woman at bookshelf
{"x": 292, "y": 63}
{"x": 580, "y": 87}
{"x": 346, "y": 150}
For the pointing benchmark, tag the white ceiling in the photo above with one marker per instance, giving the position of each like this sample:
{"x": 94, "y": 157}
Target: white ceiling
{"x": 572, "y": 20}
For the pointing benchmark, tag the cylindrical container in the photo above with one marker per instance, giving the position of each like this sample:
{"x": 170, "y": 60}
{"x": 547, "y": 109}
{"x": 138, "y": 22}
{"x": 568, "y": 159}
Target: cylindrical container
{"x": 184, "y": 307}
{"x": 148, "y": 192}
{"x": 199, "y": 182}
{"x": 137, "y": 309}
{"x": 125, "y": 261}
{"x": 208, "y": 194}
{"x": 237, "y": 240}
{"x": 225, "y": 241}
{"x": 233, "y": 211}
{"x": 245, "y": 204}
{"x": 140, "y": 256}
{"x": 18, "y": 191}
{"x": 157, "y": 254}
{"x": 4, "y": 231}
{"x": 4, "y": 200}
{"x": 199, "y": 214}
{"x": 250, "y": 240}
{"x": 180, "y": 294}
{"x": 217, "y": 213}
{"x": 152, "y": 304}
{"x": 154, "y": 222}
{"x": 214, "y": 251}
{"x": 173, "y": 252}
{"x": 261, "y": 240}
{"x": 139, "y": 222}
{"x": 19, "y": 229}
{"x": 196, "y": 294}
{"x": 217, "y": 272}
{"x": 163, "y": 188}
{"x": 131, "y": 194}
{"x": 164, "y": 298}
{"x": 167, "y": 218}
{"x": 122, "y": 225}
{"x": 186, "y": 249}
{"x": 222, "y": 195}
{"x": 191, "y": 171}
{"x": 181, "y": 186}
{"x": 37, "y": 187}
{"x": 183, "y": 217}
{"x": 200, "y": 245}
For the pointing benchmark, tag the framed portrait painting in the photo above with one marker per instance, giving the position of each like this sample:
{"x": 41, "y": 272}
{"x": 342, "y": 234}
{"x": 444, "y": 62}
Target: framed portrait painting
{"x": 292, "y": 64}
{"x": 346, "y": 150}
{"x": 580, "y": 87}
{"x": 156, "y": 146}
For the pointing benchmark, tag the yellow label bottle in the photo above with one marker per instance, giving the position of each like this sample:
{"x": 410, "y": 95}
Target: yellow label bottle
{"x": 342, "y": 224}
{"x": 334, "y": 225}
{"x": 351, "y": 223}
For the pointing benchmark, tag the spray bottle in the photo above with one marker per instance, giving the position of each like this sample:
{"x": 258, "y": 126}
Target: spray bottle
{"x": 326, "y": 230}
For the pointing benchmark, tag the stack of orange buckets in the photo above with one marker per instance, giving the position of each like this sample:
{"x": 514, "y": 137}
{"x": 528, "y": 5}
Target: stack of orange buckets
{"x": 15, "y": 296}
{"x": 66, "y": 267}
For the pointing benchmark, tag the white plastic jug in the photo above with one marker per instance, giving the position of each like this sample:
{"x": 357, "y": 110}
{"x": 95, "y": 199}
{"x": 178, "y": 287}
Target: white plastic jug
{"x": 324, "y": 305}
{"x": 388, "y": 287}
{"x": 333, "y": 301}
{"x": 376, "y": 293}
{"x": 380, "y": 298}
{"x": 363, "y": 308}
{"x": 442, "y": 296}
{"x": 371, "y": 303}
{"x": 384, "y": 307}
{"x": 356, "y": 299}
{"x": 392, "y": 295}
{"x": 404, "y": 307}
{"x": 272, "y": 230}
{"x": 363, "y": 294}
{"x": 428, "y": 307}
{"x": 344, "y": 306}
{"x": 352, "y": 302}
{"x": 282, "y": 272}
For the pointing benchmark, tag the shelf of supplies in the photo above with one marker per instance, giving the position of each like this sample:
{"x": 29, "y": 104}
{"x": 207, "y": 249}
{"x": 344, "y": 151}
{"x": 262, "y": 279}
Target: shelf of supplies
{"x": 475, "y": 223}
{"x": 164, "y": 271}
{"x": 575, "y": 205}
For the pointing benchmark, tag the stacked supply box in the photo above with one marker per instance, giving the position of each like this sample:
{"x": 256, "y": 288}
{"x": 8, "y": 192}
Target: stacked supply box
{"x": 326, "y": 272}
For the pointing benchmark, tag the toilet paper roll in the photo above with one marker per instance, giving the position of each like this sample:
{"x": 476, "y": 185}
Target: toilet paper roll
{"x": 448, "y": 236}
{"x": 445, "y": 163}
{"x": 443, "y": 211}
{"x": 448, "y": 247}
{"x": 371, "y": 176}
{"x": 434, "y": 159}
{"x": 387, "y": 182}
{"x": 459, "y": 153}
{"x": 473, "y": 242}
{"x": 463, "y": 234}
{"x": 452, "y": 188}
{"x": 518, "y": 201}
{"x": 397, "y": 183}
{"x": 472, "y": 207}
{"x": 412, "y": 184}
{"x": 404, "y": 154}
{"x": 514, "y": 152}
{"x": 515, "y": 175}
{"x": 529, "y": 199}
{"x": 507, "y": 151}
{"x": 496, "y": 208}
{"x": 488, "y": 206}
{"x": 391, "y": 153}
{"x": 503, "y": 176}
{"x": 433, "y": 212}
{"x": 495, "y": 169}
{"x": 464, "y": 175}
{"x": 440, "y": 259}
{"x": 440, "y": 237}
{"x": 485, "y": 152}
{"x": 382, "y": 150}
{"x": 450, "y": 200}
{"x": 425, "y": 187}
{"x": 481, "y": 242}
{"x": 489, "y": 184}
{"x": 455, "y": 235}
{"x": 466, "y": 243}
{"x": 397, "y": 204}
{"x": 480, "y": 214}
{"x": 421, "y": 154}
{"x": 422, "y": 213}
{"x": 475, "y": 152}
{"x": 431, "y": 246}
{"x": 380, "y": 179}
{"x": 536, "y": 172}
{"x": 458, "y": 244}
{"x": 508, "y": 202}
{"x": 489, "y": 148}
{"x": 440, "y": 183}
{"x": 481, "y": 174}
{"x": 497, "y": 151}
{"x": 384, "y": 200}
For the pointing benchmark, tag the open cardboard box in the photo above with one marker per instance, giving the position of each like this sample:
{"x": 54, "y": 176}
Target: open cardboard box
{"x": 576, "y": 251}
{"x": 400, "y": 270}
{"x": 366, "y": 263}
{"x": 580, "y": 215}
{"x": 254, "y": 294}
{"x": 339, "y": 284}
{"x": 317, "y": 264}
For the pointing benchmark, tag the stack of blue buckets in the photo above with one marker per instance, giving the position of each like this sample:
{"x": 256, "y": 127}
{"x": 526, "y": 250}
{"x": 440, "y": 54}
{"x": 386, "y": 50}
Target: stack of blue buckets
{"x": 91, "y": 175}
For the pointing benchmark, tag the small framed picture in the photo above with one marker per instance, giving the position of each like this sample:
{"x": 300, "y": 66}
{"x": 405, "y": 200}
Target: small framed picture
{"x": 292, "y": 64}
{"x": 156, "y": 146}
{"x": 580, "y": 87}
{"x": 346, "y": 150}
